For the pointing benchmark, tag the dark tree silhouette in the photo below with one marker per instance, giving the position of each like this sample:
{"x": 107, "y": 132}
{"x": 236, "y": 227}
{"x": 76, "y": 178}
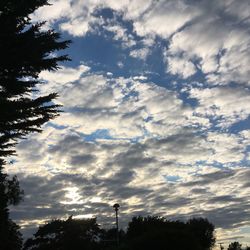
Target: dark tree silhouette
{"x": 10, "y": 194}
{"x": 25, "y": 51}
{"x": 12, "y": 237}
{"x": 77, "y": 234}
{"x": 234, "y": 246}
{"x": 143, "y": 233}
{"x": 108, "y": 238}
{"x": 159, "y": 233}
{"x": 203, "y": 231}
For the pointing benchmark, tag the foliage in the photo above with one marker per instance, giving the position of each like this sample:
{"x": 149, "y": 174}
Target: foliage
{"x": 159, "y": 233}
{"x": 203, "y": 231}
{"x": 109, "y": 238}
{"x": 11, "y": 238}
{"x": 10, "y": 194}
{"x": 145, "y": 233}
{"x": 234, "y": 246}
{"x": 66, "y": 235}
{"x": 25, "y": 50}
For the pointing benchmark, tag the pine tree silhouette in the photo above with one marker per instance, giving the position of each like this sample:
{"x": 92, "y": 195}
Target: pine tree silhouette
{"x": 25, "y": 51}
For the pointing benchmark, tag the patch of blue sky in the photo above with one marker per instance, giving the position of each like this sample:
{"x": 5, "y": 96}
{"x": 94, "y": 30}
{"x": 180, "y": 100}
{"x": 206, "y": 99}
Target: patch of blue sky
{"x": 12, "y": 160}
{"x": 98, "y": 134}
{"x": 106, "y": 13}
{"x": 246, "y": 160}
{"x": 185, "y": 97}
{"x": 172, "y": 178}
{"x": 245, "y": 230}
{"x": 229, "y": 165}
{"x": 240, "y": 126}
{"x": 56, "y": 126}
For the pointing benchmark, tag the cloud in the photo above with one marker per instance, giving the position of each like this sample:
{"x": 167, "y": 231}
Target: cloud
{"x": 226, "y": 104}
{"x": 164, "y": 18}
{"x": 61, "y": 78}
{"x": 120, "y": 34}
{"x": 140, "y": 53}
{"x": 62, "y": 194}
{"x": 221, "y": 53}
{"x": 124, "y": 106}
{"x": 180, "y": 66}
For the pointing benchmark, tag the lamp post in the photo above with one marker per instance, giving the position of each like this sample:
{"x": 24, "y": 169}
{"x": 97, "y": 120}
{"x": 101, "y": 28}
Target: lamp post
{"x": 221, "y": 246}
{"x": 116, "y": 208}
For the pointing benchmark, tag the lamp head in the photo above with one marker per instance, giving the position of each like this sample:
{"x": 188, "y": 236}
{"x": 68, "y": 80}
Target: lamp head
{"x": 116, "y": 206}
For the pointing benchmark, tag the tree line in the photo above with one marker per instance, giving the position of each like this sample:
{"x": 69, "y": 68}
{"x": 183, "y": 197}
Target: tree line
{"x": 143, "y": 233}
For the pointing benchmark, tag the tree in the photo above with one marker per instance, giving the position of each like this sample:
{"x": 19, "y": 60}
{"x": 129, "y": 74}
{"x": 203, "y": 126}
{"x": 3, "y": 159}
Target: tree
{"x": 158, "y": 233}
{"x": 108, "y": 239}
{"x": 25, "y": 50}
{"x": 234, "y": 246}
{"x": 66, "y": 235}
{"x": 10, "y": 194}
{"x": 203, "y": 231}
{"x": 11, "y": 239}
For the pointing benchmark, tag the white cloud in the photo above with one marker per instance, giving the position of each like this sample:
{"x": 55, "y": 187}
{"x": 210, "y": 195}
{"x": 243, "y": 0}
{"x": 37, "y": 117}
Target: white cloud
{"x": 64, "y": 74}
{"x": 212, "y": 33}
{"x": 120, "y": 64}
{"x": 77, "y": 27}
{"x": 221, "y": 51}
{"x": 120, "y": 34}
{"x": 165, "y": 18}
{"x": 180, "y": 66}
{"x": 228, "y": 105}
{"x": 140, "y": 53}
{"x": 54, "y": 12}
{"x": 126, "y": 107}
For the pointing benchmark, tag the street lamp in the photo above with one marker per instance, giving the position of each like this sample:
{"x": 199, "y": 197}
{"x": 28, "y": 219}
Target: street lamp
{"x": 116, "y": 208}
{"x": 221, "y": 245}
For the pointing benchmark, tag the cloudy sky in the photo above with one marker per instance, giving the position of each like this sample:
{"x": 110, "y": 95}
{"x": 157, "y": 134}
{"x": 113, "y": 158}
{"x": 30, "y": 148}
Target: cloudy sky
{"x": 156, "y": 115}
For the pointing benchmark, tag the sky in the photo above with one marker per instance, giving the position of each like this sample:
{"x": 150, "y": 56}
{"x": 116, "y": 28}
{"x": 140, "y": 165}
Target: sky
{"x": 156, "y": 116}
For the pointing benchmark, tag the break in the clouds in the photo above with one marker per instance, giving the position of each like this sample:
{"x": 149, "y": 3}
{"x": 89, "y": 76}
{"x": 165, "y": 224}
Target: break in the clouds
{"x": 156, "y": 115}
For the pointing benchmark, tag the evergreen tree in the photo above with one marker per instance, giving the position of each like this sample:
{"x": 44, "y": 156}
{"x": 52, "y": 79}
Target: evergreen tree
{"x": 25, "y": 51}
